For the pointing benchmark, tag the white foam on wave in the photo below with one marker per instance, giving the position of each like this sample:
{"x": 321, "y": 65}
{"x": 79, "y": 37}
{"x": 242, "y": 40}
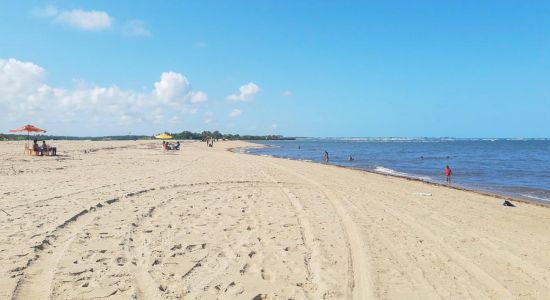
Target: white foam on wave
{"x": 384, "y": 170}
{"x": 381, "y": 139}
{"x": 534, "y": 197}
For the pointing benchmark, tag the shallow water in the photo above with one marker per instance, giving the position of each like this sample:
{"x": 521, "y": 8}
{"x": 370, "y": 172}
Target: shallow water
{"x": 516, "y": 167}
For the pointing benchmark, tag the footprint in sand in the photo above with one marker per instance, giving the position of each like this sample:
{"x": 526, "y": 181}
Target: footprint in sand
{"x": 121, "y": 261}
{"x": 244, "y": 269}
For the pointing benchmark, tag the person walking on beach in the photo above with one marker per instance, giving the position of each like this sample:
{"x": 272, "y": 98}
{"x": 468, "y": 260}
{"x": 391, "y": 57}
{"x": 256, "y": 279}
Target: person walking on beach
{"x": 325, "y": 157}
{"x": 448, "y": 174}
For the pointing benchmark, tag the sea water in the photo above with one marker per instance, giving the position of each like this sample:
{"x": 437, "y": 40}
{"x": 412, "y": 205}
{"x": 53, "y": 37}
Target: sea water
{"x": 515, "y": 167}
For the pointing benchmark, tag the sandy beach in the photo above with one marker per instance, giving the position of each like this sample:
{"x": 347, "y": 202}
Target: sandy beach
{"x": 125, "y": 220}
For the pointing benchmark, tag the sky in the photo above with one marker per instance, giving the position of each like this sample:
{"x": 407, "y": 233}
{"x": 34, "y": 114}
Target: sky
{"x": 296, "y": 68}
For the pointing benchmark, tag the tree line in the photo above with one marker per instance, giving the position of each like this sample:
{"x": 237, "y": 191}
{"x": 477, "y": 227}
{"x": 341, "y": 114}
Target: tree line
{"x": 184, "y": 135}
{"x": 188, "y": 135}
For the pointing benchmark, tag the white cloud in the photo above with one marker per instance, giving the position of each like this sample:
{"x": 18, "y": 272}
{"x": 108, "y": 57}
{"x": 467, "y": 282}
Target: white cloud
{"x": 25, "y": 97}
{"x": 286, "y": 93}
{"x": 172, "y": 87}
{"x": 246, "y": 92}
{"x": 19, "y": 78}
{"x": 135, "y": 28}
{"x": 91, "y": 20}
{"x": 197, "y": 97}
{"x": 88, "y": 20}
{"x": 235, "y": 113}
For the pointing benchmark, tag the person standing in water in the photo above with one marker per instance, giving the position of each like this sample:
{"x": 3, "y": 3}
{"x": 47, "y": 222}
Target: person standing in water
{"x": 448, "y": 174}
{"x": 325, "y": 157}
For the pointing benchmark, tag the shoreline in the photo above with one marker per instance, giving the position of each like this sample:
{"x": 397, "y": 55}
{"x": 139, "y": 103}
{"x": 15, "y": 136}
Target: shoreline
{"x": 465, "y": 189}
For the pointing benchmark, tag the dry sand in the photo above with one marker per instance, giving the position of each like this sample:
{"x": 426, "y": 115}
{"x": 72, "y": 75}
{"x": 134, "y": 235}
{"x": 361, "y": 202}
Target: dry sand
{"x": 128, "y": 221}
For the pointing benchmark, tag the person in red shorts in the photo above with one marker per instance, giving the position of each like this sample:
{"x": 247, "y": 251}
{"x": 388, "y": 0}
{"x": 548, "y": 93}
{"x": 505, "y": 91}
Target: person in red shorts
{"x": 448, "y": 174}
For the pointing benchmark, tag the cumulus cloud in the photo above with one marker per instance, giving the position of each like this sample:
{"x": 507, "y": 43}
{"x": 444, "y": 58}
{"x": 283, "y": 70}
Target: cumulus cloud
{"x": 197, "y": 97}
{"x": 171, "y": 87}
{"x": 175, "y": 88}
{"x": 135, "y": 28}
{"x": 286, "y": 93}
{"x": 235, "y": 113}
{"x": 246, "y": 92}
{"x": 19, "y": 78}
{"x": 25, "y": 96}
{"x": 87, "y": 20}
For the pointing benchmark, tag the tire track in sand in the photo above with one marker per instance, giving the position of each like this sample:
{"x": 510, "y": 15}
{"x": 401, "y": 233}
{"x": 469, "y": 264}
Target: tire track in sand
{"x": 35, "y": 283}
{"x": 96, "y": 188}
{"x": 147, "y": 285}
{"x": 495, "y": 289}
{"x": 360, "y": 284}
{"x": 306, "y": 230}
{"x": 313, "y": 267}
{"x": 38, "y": 274}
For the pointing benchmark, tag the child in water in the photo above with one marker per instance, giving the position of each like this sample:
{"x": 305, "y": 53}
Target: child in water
{"x": 448, "y": 174}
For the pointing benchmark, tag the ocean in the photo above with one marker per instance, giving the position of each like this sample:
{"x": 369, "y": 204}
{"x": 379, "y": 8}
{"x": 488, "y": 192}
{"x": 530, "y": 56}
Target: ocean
{"x": 514, "y": 167}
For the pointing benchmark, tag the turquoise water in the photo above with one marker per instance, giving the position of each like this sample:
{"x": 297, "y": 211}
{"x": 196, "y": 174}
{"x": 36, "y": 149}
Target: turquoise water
{"x": 515, "y": 167}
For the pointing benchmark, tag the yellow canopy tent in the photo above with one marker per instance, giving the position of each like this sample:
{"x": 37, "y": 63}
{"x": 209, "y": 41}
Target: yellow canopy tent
{"x": 163, "y": 136}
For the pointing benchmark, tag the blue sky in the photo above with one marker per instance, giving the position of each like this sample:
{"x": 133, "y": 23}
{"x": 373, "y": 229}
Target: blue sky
{"x": 302, "y": 68}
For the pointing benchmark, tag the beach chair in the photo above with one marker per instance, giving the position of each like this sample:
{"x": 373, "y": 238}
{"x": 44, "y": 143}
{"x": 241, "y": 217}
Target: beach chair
{"x": 30, "y": 151}
{"x": 49, "y": 150}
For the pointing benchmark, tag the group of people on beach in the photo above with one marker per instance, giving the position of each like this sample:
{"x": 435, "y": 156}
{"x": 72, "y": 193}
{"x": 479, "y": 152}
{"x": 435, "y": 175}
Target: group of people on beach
{"x": 448, "y": 171}
{"x": 210, "y": 141}
{"x": 43, "y": 149}
{"x": 170, "y": 146}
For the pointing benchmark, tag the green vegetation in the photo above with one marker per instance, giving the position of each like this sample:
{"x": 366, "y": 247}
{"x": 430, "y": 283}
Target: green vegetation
{"x": 184, "y": 135}
{"x": 188, "y": 135}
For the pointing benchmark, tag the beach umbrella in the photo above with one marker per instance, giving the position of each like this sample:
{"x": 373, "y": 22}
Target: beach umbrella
{"x": 163, "y": 136}
{"x": 28, "y": 128}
